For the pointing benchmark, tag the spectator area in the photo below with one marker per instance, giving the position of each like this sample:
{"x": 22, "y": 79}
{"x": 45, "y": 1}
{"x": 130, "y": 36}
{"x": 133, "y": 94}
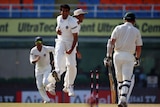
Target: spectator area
{"x": 95, "y": 8}
{"x": 142, "y": 8}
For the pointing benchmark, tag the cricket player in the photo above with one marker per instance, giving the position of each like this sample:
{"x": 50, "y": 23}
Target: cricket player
{"x": 39, "y": 55}
{"x": 78, "y": 17}
{"x": 65, "y": 47}
{"x": 127, "y": 42}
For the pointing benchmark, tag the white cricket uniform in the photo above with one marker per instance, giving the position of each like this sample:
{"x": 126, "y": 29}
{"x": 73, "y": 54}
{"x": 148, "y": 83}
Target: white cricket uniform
{"x": 66, "y": 78}
{"x": 64, "y": 43}
{"x": 127, "y": 38}
{"x": 42, "y": 68}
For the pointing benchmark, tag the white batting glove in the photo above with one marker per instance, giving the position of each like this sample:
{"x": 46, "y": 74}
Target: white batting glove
{"x": 137, "y": 62}
{"x": 107, "y": 61}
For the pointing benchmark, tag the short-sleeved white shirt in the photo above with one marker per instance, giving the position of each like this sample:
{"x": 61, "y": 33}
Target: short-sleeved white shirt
{"x": 44, "y": 61}
{"x": 127, "y": 37}
{"x": 67, "y": 27}
{"x": 79, "y": 25}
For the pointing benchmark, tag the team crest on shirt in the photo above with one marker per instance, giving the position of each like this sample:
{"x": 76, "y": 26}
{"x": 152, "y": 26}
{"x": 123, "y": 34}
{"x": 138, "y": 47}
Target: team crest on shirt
{"x": 67, "y": 27}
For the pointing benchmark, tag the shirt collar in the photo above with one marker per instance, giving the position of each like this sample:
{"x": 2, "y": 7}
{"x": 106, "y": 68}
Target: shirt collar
{"x": 128, "y": 23}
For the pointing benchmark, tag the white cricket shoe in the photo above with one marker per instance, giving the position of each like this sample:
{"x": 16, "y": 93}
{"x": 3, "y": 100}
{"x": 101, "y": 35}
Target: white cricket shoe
{"x": 52, "y": 92}
{"x": 65, "y": 89}
{"x": 71, "y": 91}
{"x": 51, "y": 89}
{"x": 46, "y": 102}
{"x": 122, "y": 102}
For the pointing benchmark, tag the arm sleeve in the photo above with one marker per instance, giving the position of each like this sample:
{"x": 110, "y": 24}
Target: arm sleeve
{"x": 139, "y": 40}
{"x": 114, "y": 33}
{"x": 50, "y": 49}
{"x": 74, "y": 25}
{"x": 58, "y": 22}
{"x": 31, "y": 56}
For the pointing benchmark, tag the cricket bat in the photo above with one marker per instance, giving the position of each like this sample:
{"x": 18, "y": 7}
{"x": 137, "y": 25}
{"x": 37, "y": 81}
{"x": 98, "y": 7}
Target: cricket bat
{"x": 112, "y": 85}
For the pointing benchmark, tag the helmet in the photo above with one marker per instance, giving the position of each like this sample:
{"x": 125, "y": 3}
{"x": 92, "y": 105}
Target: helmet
{"x": 129, "y": 16}
{"x": 38, "y": 39}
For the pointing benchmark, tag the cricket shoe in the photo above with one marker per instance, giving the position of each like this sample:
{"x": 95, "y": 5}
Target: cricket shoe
{"x": 56, "y": 76}
{"x": 122, "y": 104}
{"x": 51, "y": 89}
{"x": 52, "y": 92}
{"x": 71, "y": 91}
{"x": 65, "y": 89}
{"x": 46, "y": 102}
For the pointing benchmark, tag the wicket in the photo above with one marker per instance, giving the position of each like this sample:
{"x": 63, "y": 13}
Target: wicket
{"x": 96, "y": 73}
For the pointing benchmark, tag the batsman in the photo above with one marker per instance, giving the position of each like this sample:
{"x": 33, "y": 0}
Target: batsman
{"x": 125, "y": 43}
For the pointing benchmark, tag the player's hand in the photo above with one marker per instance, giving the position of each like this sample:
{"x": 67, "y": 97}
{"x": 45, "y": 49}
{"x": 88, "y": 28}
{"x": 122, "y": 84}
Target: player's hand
{"x": 59, "y": 32}
{"x": 79, "y": 56}
{"x": 137, "y": 62}
{"x": 107, "y": 61}
{"x": 69, "y": 51}
{"x": 37, "y": 57}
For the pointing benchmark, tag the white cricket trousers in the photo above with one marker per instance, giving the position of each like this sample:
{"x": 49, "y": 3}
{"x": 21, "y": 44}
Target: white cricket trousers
{"x": 41, "y": 81}
{"x": 63, "y": 60}
{"x": 123, "y": 63}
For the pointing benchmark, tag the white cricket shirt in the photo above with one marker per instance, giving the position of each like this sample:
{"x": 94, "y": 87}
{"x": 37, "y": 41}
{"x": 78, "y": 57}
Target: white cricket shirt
{"x": 44, "y": 61}
{"x": 67, "y": 27}
{"x": 127, "y": 37}
{"x": 79, "y": 25}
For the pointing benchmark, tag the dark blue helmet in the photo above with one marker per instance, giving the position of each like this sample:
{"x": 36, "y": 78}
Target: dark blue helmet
{"x": 38, "y": 39}
{"x": 129, "y": 16}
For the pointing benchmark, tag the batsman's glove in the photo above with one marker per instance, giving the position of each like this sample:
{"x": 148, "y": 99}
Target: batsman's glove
{"x": 137, "y": 62}
{"x": 107, "y": 61}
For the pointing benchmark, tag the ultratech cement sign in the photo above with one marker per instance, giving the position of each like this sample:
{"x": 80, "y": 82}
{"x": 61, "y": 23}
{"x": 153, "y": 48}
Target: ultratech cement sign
{"x": 28, "y": 27}
{"x": 90, "y": 27}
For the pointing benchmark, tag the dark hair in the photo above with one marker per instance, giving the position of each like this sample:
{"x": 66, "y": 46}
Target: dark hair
{"x": 65, "y": 6}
